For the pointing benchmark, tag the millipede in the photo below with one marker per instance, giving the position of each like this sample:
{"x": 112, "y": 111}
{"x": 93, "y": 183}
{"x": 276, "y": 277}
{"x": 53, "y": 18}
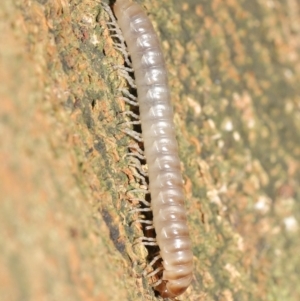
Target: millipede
{"x": 143, "y": 56}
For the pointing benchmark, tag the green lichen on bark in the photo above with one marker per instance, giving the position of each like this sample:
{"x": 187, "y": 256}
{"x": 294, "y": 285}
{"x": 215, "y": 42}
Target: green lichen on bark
{"x": 65, "y": 223}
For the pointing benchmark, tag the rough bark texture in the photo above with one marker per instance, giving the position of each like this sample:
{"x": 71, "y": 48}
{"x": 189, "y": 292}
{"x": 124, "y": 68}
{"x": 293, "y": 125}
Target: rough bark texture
{"x": 66, "y": 231}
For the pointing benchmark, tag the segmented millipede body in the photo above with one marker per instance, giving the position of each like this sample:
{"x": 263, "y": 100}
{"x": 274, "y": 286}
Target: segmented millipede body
{"x": 160, "y": 147}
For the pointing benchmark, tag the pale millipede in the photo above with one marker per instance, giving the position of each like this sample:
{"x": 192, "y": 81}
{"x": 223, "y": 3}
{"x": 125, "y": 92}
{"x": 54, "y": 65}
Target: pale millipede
{"x": 160, "y": 147}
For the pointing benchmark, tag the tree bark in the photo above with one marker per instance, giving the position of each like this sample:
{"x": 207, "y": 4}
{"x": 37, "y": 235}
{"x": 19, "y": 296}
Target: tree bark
{"x": 66, "y": 227}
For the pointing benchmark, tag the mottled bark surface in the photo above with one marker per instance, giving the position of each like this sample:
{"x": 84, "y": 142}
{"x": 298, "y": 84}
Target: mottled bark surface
{"x": 66, "y": 231}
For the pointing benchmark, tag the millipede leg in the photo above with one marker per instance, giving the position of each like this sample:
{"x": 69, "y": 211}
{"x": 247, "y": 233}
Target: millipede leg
{"x": 142, "y": 221}
{"x": 137, "y": 190}
{"x": 149, "y": 239}
{"x": 129, "y": 98}
{"x": 157, "y": 257}
{"x": 141, "y": 178}
{"x": 127, "y": 93}
{"x": 149, "y": 227}
{"x": 154, "y": 260}
{"x": 155, "y": 272}
{"x": 131, "y": 102}
{"x": 127, "y": 123}
{"x": 135, "y": 155}
{"x": 130, "y": 113}
{"x": 156, "y": 283}
{"x": 123, "y": 50}
{"x": 149, "y": 243}
{"x": 123, "y": 68}
{"x": 139, "y": 172}
{"x": 138, "y": 167}
{"x": 141, "y": 201}
{"x": 126, "y": 75}
{"x": 137, "y": 148}
{"x": 140, "y": 210}
{"x": 146, "y": 241}
{"x": 137, "y": 136}
{"x": 113, "y": 26}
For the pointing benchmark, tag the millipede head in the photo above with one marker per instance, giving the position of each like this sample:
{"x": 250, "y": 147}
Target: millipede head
{"x": 166, "y": 290}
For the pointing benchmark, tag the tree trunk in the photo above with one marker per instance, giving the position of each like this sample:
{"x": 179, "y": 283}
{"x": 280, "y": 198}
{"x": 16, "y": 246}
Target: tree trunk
{"x": 66, "y": 226}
